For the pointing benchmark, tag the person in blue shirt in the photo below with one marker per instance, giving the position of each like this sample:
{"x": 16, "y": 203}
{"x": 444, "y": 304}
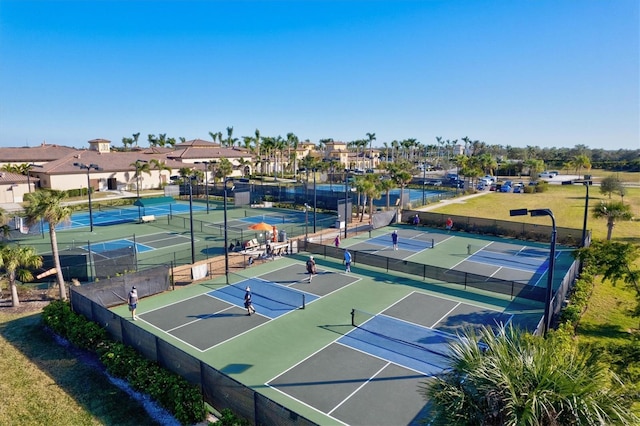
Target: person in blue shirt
{"x": 347, "y": 261}
{"x": 394, "y": 239}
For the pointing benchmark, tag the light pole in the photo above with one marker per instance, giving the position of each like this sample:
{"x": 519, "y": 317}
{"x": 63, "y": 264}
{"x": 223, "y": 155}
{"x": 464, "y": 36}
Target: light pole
{"x": 346, "y": 202}
{"x": 586, "y": 183}
{"x": 193, "y": 245}
{"x": 314, "y": 200}
{"x": 88, "y": 168}
{"x": 206, "y": 180}
{"x": 424, "y": 181}
{"x": 226, "y": 244}
{"x": 306, "y": 224}
{"x": 552, "y": 257}
{"x": 138, "y": 173}
{"x": 29, "y": 166}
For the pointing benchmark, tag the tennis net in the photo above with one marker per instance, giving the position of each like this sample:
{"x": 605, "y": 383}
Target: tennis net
{"x": 413, "y": 341}
{"x": 266, "y": 293}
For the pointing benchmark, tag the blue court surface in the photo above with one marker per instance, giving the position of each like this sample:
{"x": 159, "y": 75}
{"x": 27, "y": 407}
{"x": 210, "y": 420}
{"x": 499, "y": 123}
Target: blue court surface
{"x": 409, "y": 244}
{"x": 120, "y": 215}
{"x": 116, "y": 245}
{"x": 268, "y": 298}
{"x": 420, "y": 348}
{"x": 274, "y": 220}
{"x": 529, "y": 259}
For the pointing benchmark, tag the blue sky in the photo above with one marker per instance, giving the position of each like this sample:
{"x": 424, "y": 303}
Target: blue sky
{"x": 546, "y": 73}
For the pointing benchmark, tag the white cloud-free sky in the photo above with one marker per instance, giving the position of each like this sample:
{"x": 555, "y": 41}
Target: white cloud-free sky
{"x": 509, "y": 72}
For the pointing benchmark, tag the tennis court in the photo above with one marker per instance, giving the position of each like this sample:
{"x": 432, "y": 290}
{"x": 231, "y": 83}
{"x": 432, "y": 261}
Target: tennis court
{"x": 143, "y": 244}
{"x": 385, "y": 357}
{"x": 508, "y": 260}
{"x": 105, "y": 216}
{"x": 314, "y": 360}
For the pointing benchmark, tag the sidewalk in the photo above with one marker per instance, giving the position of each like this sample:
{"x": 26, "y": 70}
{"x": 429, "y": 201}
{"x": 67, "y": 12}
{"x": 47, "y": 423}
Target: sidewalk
{"x": 455, "y": 200}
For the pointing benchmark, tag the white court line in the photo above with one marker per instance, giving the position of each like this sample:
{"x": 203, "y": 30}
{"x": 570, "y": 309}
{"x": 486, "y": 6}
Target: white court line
{"x": 356, "y": 390}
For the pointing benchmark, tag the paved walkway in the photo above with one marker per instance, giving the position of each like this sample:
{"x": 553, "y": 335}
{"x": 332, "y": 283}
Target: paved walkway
{"x": 455, "y": 200}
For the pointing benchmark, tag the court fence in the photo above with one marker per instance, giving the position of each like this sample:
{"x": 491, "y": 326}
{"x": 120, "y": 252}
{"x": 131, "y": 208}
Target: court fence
{"x": 523, "y": 231}
{"x": 218, "y": 389}
{"x": 510, "y": 288}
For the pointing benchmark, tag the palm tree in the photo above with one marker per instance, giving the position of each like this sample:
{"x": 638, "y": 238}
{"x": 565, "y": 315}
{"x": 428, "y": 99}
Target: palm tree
{"x": 136, "y": 136}
{"x": 513, "y": 378}
{"x": 581, "y": 162}
{"x": 140, "y": 167}
{"x": 160, "y": 166}
{"x": 372, "y": 190}
{"x": 371, "y": 137}
{"x": 47, "y": 205}
{"x": 614, "y": 210}
{"x": 5, "y": 229}
{"x": 14, "y": 260}
{"x": 386, "y": 185}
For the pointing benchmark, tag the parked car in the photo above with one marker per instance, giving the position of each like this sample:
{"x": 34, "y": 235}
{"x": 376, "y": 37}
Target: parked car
{"x": 518, "y": 188}
{"x": 493, "y": 187}
{"x": 547, "y": 175}
{"x": 505, "y": 188}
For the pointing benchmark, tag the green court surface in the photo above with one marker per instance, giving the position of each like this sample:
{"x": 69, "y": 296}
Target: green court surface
{"x": 312, "y": 360}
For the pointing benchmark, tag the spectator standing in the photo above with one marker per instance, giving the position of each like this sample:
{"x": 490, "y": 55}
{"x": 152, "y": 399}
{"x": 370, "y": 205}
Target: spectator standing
{"x": 248, "y": 304}
{"x": 394, "y": 240}
{"x": 347, "y": 261}
{"x": 132, "y": 300}
{"x": 416, "y": 221}
{"x": 449, "y": 224}
{"x": 336, "y": 241}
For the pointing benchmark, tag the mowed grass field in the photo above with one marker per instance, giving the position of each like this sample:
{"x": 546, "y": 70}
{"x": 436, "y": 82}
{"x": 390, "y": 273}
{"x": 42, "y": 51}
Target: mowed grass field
{"x": 44, "y": 383}
{"x": 567, "y": 203}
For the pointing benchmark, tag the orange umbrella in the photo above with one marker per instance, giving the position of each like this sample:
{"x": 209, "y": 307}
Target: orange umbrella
{"x": 262, "y": 226}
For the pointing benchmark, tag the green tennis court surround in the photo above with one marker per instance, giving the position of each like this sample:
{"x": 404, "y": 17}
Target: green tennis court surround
{"x": 150, "y": 202}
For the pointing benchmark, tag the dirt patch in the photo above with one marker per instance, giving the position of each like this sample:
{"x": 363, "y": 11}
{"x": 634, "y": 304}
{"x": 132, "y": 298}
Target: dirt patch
{"x": 31, "y": 301}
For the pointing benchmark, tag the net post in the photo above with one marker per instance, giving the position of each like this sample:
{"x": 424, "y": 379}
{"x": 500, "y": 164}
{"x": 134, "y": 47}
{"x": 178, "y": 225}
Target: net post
{"x": 433, "y": 242}
{"x": 353, "y": 315}
{"x": 303, "y": 301}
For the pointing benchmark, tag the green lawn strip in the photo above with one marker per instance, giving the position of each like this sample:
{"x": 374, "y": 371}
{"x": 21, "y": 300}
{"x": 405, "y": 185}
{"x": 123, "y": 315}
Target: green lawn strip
{"x": 45, "y": 383}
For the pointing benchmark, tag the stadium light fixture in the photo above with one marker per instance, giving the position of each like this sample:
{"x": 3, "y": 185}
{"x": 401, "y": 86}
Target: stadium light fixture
{"x": 88, "y": 168}
{"x": 552, "y": 256}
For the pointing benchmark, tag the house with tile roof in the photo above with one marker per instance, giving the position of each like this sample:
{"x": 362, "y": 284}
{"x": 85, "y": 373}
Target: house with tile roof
{"x": 115, "y": 170}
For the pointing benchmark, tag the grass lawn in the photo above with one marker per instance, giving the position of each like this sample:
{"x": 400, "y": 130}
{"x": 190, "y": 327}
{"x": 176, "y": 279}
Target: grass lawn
{"x": 43, "y": 383}
{"x": 567, "y": 203}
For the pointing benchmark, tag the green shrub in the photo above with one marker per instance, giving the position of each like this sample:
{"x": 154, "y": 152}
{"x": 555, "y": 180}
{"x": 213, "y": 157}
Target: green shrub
{"x": 542, "y": 186}
{"x": 171, "y": 391}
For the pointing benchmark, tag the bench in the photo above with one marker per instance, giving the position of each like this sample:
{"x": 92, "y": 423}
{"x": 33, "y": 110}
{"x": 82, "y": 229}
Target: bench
{"x": 251, "y": 244}
{"x": 147, "y": 218}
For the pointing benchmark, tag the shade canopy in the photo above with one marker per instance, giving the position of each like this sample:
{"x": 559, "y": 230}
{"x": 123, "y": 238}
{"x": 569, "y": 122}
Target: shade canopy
{"x": 262, "y": 226}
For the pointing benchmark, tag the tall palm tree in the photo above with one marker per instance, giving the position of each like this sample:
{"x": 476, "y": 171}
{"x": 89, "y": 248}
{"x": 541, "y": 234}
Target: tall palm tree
{"x": 140, "y": 168}
{"x": 161, "y": 166}
{"x": 613, "y": 211}
{"x": 136, "y": 136}
{"x": 47, "y": 205}
{"x": 581, "y": 162}
{"x": 15, "y": 260}
{"x": 513, "y": 378}
{"x": 371, "y": 137}
{"x": 372, "y": 190}
{"x": 292, "y": 142}
{"x": 386, "y": 185}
